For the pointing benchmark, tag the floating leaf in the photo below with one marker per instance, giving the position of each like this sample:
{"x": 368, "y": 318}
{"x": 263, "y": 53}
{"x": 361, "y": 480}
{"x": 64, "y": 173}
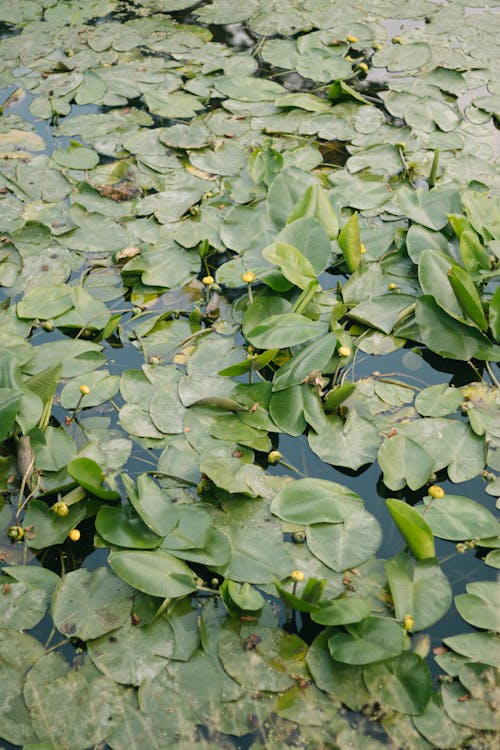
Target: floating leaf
{"x": 369, "y": 641}
{"x": 419, "y": 589}
{"x": 456, "y": 517}
{"x": 89, "y": 475}
{"x": 403, "y": 684}
{"x": 479, "y": 606}
{"x": 87, "y": 605}
{"x": 156, "y": 573}
{"x": 345, "y": 545}
{"x": 308, "y": 501}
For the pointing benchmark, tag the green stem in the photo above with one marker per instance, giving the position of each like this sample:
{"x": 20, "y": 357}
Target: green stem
{"x": 434, "y": 168}
{"x": 306, "y": 296}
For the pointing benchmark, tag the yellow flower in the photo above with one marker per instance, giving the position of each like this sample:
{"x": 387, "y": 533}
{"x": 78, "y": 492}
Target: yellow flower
{"x": 362, "y": 249}
{"x": 84, "y": 390}
{"x": 363, "y": 66}
{"x": 344, "y": 351}
{"x": 60, "y": 509}
{"x": 297, "y": 575}
{"x": 408, "y": 622}
{"x": 351, "y": 38}
{"x": 436, "y": 492}
{"x": 74, "y": 535}
{"x": 274, "y": 457}
{"x": 248, "y": 277}
{"x": 208, "y": 280}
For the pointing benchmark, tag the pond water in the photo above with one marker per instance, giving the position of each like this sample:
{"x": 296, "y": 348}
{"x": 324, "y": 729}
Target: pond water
{"x": 301, "y": 551}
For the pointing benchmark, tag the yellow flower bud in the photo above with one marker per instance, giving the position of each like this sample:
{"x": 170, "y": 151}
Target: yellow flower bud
{"x": 436, "y": 492}
{"x": 351, "y": 39}
{"x": 297, "y": 575}
{"x": 274, "y": 457}
{"x": 60, "y": 509}
{"x": 208, "y": 280}
{"x": 15, "y": 533}
{"x": 408, "y": 622}
{"x": 362, "y": 249}
{"x": 392, "y": 286}
{"x": 344, "y": 351}
{"x": 363, "y": 66}
{"x": 74, "y": 535}
{"x": 248, "y": 277}
{"x": 84, "y": 390}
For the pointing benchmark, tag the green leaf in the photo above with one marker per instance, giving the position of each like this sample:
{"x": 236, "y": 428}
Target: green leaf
{"x": 156, "y": 572}
{"x": 308, "y": 501}
{"x": 88, "y": 604}
{"x": 474, "y": 256}
{"x": 457, "y": 518}
{"x": 415, "y": 530}
{"x": 314, "y": 356}
{"x": 10, "y": 401}
{"x": 479, "y": 606}
{"x": 438, "y": 728}
{"x": 117, "y": 527}
{"x": 494, "y": 315}
{"x": 468, "y": 296}
{"x": 240, "y": 598}
{"x": 403, "y": 684}
{"x": 342, "y": 681}
{"x": 89, "y": 475}
{"x": 316, "y": 204}
{"x": 152, "y": 505}
{"x": 352, "y": 444}
{"x": 350, "y": 242}
{"x": 345, "y": 545}
{"x": 286, "y": 408}
{"x": 438, "y": 400}
{"x": 342, "y": 611}
{"x": 47, "y": 528}
{"x": 293, "y": 264}
{"x": 404, "y": 461}
{"x": 471, "y": 712}
{"x": 449, "y": 337}
{"x": 254, "y": 363}
{"x": 45, "y": 302}
{"x": 288, "y": 329}
{"x": 369, "y": 641}
{"x": 418, "y": 588}
{"x": 482, "y": 647}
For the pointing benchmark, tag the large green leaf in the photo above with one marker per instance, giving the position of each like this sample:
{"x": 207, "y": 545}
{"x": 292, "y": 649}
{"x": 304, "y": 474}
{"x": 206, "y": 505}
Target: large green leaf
{"x": 449, "y": 337}
{"x": 118, "y": 526}
{"x": 418, "y": 588}
{"x": 479, "y": 606}
{"x": 482, "y": 647}
{"x": 152, "y": 505}
{"x": 89, "y": 475}
{"x": 87, "y": 605}
{"x": 371, "y": 640}
{"x": 153, "y": 572}
{"x": 293, "y": 264}
{"x": 457, "y": 517}
{"x": 312, "y": 357}
{"x": 404, "y": 461}
{"x": 345, "y": 545}
{"x": 308, "y": 501}
{"x": 289, "y": 329}
{"x": 403, "y": 684}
